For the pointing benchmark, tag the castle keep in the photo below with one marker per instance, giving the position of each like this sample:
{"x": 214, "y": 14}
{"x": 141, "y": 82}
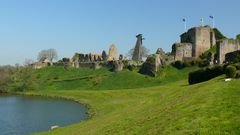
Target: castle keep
{"x": 194, "y": 43}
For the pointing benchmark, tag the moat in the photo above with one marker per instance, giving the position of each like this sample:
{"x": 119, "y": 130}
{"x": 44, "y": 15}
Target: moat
{"x": 20, "y": 115}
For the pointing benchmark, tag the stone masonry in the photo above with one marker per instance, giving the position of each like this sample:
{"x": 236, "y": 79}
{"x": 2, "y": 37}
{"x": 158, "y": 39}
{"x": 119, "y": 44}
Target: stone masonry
{"x": 137, "y": 53}
{"x": 226, "y": 46}
{"x": 181, "y": 51}
{"x": 201, "y": 38}
{"x": 113, "y": 53}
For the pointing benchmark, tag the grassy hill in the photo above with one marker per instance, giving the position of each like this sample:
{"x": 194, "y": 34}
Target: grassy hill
{"x": 162, "y": 105}
{"x": 176, "y": 108}
{"x": 58, "y": 78}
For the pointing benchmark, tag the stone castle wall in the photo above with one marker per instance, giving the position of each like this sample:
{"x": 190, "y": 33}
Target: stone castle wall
{"x": 226, "y": 46}
{"x": 92, "y": 65}
{"x": 181, "y": 51}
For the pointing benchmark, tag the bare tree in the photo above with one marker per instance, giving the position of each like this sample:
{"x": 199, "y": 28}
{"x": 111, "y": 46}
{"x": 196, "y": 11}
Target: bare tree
{"x": 28, "y": 62}
{"x": 50, "y": 54}
{"x": 144, "y": 52}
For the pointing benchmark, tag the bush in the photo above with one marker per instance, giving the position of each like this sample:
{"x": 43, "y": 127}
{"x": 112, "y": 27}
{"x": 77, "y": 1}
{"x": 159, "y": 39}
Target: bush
{"x": 130, "y": 67}
{"x": 190, "y": 63}
{"x": 205, "y": 74}
{"x": 231, "y": 71}
{"x": 203, "y": 63}
{"x": 238, "y": 74}
{"x": 179, "y": 64}
{"x": 237, "y": 65}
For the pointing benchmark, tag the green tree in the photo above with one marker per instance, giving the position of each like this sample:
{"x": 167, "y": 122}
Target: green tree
{"x": 104, "y": 55}
{"x": 25, "y": 79}
{"x": 231, "y": 71}
{"x": 218, "y": 34}
{"x": 238, "y": 36}
{"x": 5, "y": 78}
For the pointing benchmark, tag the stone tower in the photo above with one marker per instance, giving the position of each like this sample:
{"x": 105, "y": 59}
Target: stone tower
{"x": 202, "y": 39}
{"x": 113, "y": 53}
{"x": 137, "y": 53}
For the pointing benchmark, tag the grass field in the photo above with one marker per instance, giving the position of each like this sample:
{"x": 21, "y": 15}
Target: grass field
{"x": 170, "y": 106}
{"x": 58, "y": 78}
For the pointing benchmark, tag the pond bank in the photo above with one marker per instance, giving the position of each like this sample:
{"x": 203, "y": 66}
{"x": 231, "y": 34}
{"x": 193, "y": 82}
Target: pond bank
{"x": 25, "y": 114}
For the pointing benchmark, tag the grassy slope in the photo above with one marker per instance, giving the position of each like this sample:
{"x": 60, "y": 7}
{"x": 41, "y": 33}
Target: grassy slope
{"x": 57, "y": 78}
{"x": 208, "y": 108}
{"x": 212, "y": 107}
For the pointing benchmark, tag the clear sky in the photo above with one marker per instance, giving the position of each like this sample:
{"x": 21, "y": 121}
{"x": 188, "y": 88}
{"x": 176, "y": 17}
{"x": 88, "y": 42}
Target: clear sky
{"x": 69, "y": 26}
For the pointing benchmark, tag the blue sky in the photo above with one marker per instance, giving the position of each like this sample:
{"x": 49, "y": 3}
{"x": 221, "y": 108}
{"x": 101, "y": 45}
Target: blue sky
{"x": 69, "y": 26}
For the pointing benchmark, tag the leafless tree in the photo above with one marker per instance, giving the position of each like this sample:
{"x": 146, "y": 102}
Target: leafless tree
{"x": 50, "y": 54}
{"x": 28, "y": 62}
{"x": 144, "y": 52}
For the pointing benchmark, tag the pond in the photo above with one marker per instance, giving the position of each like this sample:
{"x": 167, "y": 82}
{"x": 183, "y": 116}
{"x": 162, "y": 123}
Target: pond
{"x": 20, "y": 115}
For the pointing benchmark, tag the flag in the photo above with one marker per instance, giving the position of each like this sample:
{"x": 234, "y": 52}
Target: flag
{"x": 184, "y": 20}
{"x": 211, "y": 16}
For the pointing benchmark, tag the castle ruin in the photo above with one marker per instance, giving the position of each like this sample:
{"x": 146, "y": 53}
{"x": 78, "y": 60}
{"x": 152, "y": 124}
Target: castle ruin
{"x": 227, "y": 47}
{"x": 182, "y": 51}
{"x": 194, "y": 43}
{"x": 137, "y": 53}
{"x": 113, "y": 53}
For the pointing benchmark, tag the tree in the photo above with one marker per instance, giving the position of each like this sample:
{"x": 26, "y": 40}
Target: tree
{"x": 25, "y": 79}
{"x": 143, "y": 51}
{"x": 238, "y": 36}
{"x": 120, "y": 57}
{"x": 50, "y": 54}
{"x": 218, "y": 34}
{"x": 5, "y": 78}
{"x": 28, "y": 62}
{"x": 104, "y": 55}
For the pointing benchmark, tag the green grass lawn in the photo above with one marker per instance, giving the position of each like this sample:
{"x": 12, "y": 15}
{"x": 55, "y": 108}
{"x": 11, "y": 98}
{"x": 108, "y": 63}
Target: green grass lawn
{"x": 58, "y": 78}
{"x": 170, "y": 106}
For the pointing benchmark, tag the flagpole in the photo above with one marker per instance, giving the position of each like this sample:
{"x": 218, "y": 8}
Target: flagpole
{"x": 213, "y": 21}
{"x": 202, "y": 22}
{"x": 185, "y": 26}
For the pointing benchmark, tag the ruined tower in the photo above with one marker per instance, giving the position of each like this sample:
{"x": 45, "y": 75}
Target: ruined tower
{"x": 202, "y": 39}
{"x": 113, "y": 53}
{"x": 137, "y": 53}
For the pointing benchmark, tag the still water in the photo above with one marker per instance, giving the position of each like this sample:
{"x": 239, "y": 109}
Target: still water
{"x": 21, "y": 115}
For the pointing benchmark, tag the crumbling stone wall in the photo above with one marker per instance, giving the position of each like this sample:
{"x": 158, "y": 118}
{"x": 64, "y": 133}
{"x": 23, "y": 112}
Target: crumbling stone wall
{"x": 39, "y": 65}
{"x": 92, "y": 65}
{"x": 113, "y": 53}
{"x": 232, "y": 57}
{"x": 181, "y": 51}
{"x": 226, "y": 46}
{"x": 87, "y": 57}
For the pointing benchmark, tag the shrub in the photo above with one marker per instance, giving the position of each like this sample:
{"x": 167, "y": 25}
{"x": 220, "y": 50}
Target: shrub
{"x": 205, "y": 74}
{"x": 237, "y": 65}
{"x": 203, "y": 63}
{"x": 238, "y": 36}
{"x": 178, "y": 64}
{"x": 231, "y": 71}
{"x": 130, "y": 67}
{"x": 238, "y": 74}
